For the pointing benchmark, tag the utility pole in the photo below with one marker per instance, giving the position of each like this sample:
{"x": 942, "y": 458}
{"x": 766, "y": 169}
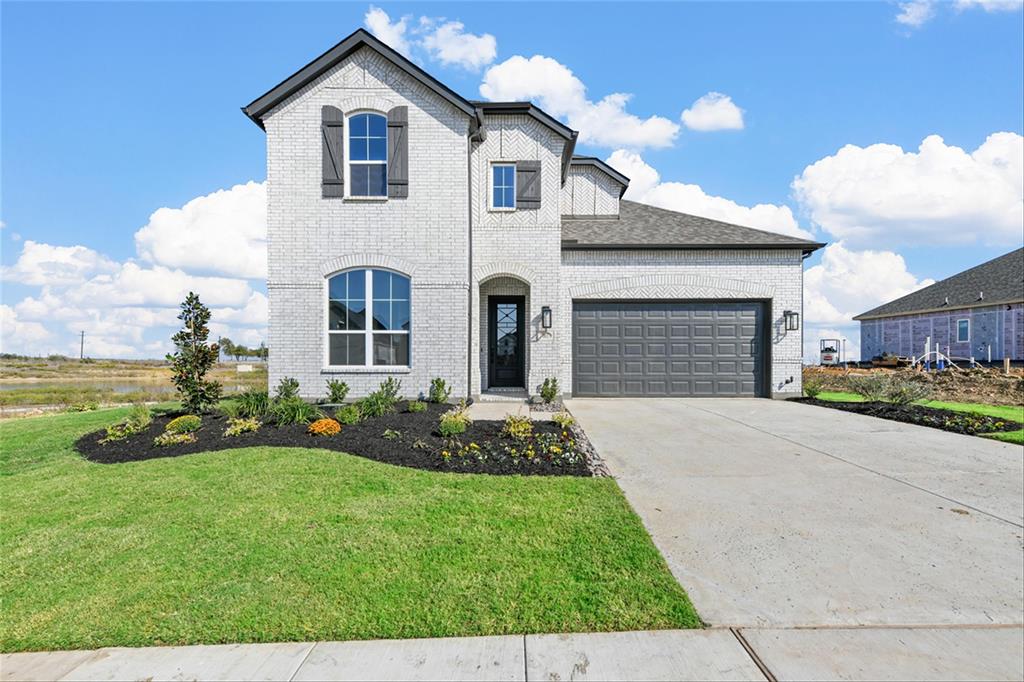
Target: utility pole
{"x": 81, "y": 346}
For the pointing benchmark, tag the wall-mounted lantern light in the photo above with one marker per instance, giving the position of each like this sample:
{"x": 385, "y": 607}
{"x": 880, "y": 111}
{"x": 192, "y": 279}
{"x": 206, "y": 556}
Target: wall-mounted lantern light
{"x": 545, "y": 317}
{"x": 792, "y": 320}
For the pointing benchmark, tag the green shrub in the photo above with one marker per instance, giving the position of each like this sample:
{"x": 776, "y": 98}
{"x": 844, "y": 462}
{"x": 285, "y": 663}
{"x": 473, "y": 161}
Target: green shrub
{"x": 169, "y": 438}
{"x": 253, "y": 403}
{"x": 440, "y": 391}
{"x": 391, "y": 434}
{"x": 563, "y": 419}
{"x": 389, "y": 388}
{"x": 137, "y": 420}
{"x": 871, "y": 387}
{"x": 187, "y": 423}
{"x": 887, "y": 387}
{"x": 230, "y": 409}
{"x": 287, "y": 388}
{"x": 813, "y": 386}
{"x": 549, "y": 390}
{"x": 373, "y": 405}
{"x": 417, "y": 406}
{"x": 348, "y": 415}
{"x": 294, "y": 411}
{"x": 238, "y": 426}
{"x": 337, "y": 391}
{"x": 83, "y": 407}
{"x": 517, "y": 427}
{"x": 905, "y": 391}
{"x": 454, "y": 421}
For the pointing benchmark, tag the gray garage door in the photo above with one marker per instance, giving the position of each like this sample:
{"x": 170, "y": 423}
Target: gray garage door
{"x": 644, "y": 348}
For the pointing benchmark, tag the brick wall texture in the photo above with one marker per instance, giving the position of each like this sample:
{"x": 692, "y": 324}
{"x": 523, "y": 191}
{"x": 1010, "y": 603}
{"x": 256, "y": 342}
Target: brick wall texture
{"x": 427, "y": 237}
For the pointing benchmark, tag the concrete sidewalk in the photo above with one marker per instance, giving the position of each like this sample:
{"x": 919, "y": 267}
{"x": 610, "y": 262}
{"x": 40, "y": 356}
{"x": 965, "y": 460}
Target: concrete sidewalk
{"x": 714, "y": 654}
{"x": 660, "y": 655}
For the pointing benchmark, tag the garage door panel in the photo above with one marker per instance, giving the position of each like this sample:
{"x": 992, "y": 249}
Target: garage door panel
{"x": 639, "y": 348}
{"x": 703, "y": 350}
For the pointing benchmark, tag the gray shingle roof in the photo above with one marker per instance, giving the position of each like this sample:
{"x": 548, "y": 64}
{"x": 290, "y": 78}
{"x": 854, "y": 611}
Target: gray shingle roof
{"x": 640, "y": 226}
{"x": 1001, "y": 280}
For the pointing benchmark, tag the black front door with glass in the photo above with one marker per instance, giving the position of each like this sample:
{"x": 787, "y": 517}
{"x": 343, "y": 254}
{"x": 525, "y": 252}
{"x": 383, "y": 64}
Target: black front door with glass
{"x": 507, "y": 356}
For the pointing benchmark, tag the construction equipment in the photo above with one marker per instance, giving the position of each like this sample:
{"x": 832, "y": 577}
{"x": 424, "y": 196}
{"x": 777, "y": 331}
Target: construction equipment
{"x": 829, "y": 351}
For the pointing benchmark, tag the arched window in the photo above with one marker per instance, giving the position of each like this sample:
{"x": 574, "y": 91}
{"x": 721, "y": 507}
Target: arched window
{"x": 368, "y": 155}
{"x": 356, "y": 297}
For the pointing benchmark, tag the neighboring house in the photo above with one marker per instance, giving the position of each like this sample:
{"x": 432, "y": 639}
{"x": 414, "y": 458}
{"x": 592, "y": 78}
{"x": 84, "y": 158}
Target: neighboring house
{"x": 484, "y": 252}
{"x": 972, "y": 313}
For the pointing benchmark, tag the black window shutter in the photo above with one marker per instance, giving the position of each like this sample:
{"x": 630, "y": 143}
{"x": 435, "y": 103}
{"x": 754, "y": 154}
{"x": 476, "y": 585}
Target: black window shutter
{"x": 398, "y": 153}
{"x": 332, "y": 129}
{"x": 527, "y": 185}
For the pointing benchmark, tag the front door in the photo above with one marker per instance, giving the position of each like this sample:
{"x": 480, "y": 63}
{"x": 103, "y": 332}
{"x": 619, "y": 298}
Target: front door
{"x": 506, "y": 340}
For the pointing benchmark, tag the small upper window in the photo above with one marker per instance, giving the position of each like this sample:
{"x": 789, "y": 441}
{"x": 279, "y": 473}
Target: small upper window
{"x": 963, "y": 330}
{"x": 504, "y": 186}
{"x": 368, "y": 155}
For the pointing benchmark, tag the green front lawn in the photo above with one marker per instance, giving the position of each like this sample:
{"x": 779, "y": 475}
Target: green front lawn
{"x": 277, "y": 544}
{"x": 1013, "y": 413}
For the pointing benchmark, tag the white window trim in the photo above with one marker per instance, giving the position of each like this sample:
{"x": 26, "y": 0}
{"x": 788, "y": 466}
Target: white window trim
{"x": 968, "y": 321}
{"x": 348, "y": 162}
{"x": 368, "y": 333}
{"x": 490, "y": 187}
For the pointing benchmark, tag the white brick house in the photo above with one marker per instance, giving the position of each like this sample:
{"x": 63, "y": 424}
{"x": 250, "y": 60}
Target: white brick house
{"x": 417, "y": 234}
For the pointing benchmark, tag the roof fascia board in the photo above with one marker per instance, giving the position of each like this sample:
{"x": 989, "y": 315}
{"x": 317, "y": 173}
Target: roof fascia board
{"x": 605, "y": 168}
{"x": 529, "y": 109}
{"x": 805, "y": 247}
{"x": 256, "y": 109}
{"x": 951, "y": 308}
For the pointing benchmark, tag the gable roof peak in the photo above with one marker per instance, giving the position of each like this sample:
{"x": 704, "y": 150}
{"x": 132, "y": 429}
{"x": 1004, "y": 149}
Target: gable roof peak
{"x": 263, "y": 104}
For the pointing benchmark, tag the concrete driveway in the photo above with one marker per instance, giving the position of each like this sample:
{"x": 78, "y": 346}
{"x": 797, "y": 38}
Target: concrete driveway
{"x": 785, "y": 516}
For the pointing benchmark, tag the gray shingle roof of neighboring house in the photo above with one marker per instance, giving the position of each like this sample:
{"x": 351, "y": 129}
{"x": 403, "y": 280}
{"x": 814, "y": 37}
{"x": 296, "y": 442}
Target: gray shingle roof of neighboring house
{"x": 1000, "y": 280}
{"x": 639, "y": 226}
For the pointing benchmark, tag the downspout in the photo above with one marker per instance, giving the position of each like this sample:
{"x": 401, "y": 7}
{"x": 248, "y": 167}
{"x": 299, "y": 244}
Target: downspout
{"x": 476, "y": 133}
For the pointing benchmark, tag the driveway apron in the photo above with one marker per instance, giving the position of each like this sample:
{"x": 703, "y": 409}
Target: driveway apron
{"x": 775, "y": 514}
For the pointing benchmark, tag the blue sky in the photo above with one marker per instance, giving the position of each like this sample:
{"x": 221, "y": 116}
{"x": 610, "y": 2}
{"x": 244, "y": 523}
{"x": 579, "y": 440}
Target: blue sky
{"x": 113, "y": 111}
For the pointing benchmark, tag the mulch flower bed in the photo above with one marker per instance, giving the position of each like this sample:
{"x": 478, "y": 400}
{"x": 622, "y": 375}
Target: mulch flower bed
{"x": 417, "y": 444}
{"x": 968, "y": 423}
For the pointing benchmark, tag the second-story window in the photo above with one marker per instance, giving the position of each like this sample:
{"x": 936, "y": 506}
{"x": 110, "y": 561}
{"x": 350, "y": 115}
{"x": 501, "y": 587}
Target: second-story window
{"x": 503, "y": 184}
{"x": 368, "y": 155}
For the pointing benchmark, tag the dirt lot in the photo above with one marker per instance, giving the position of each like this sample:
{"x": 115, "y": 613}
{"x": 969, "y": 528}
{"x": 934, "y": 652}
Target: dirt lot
{"x": 979, "y": 385}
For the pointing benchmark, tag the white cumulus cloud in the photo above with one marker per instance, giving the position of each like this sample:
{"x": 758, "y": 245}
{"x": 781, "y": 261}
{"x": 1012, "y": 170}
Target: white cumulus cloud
{"x": 40, "y": 264}
{"x": 915, "y": 13}
{"x": 130, "y": 308}
{"x": 554, "y": 88}
{"x": 939, "y": 194}
{"x": 19, "y": 336}
{"x": 849, "y": 282}
{"x": 646, "y": 187}
{"x": 446, "y": 42}
{"x": 392, "y": 33}
{"x": 223, "y": 232}
{"x": 134, "y": 285}
{"x": 713, "y": 111}
{"x": 991, "y": 5}
{"x": 846, "y": 283}
{"x": 450, "y": 44}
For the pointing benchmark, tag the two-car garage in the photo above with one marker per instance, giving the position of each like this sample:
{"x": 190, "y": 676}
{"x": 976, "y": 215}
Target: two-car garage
{"x": 669, "y": 348}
